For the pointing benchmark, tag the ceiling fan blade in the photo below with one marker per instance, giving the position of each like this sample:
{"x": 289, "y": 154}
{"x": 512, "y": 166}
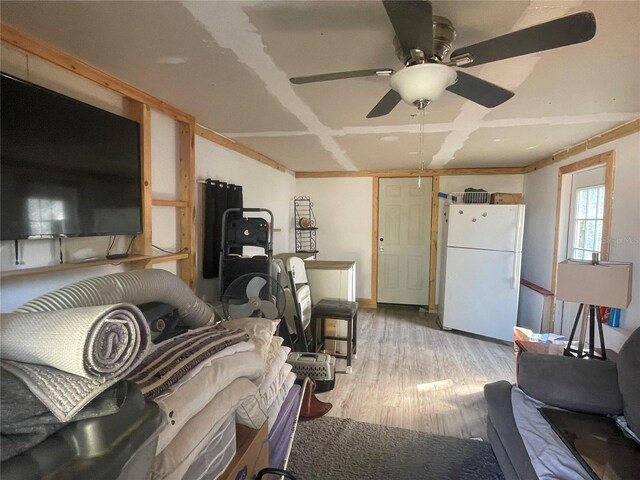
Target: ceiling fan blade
{"x": 412, "y": 20}
{"x": 479, "y": 91}
{"x": 269, "y": 310}
{"x": 255, "y": 286}
{"x": 241, "y": 311}
{"x": 323, "y": 77}
{"x": 385, "y": 105}
{"x": 576, "y": 28}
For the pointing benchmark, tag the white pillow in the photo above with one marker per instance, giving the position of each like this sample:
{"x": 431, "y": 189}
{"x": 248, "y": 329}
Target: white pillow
{"x": 261, "y": 331}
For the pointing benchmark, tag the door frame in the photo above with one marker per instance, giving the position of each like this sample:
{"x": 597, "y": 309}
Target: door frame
{"x": 433, "y": 253}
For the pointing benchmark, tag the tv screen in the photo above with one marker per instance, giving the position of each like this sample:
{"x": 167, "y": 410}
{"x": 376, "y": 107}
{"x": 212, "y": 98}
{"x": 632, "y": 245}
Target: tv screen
{"x": 67, "y": 169}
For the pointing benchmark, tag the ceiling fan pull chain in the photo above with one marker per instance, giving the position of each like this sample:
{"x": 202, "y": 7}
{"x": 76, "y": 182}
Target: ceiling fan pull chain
{"x": 421, "y": 147}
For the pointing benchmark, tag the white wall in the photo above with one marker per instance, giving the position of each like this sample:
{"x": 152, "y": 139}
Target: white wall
{"x": 540, "y": 191}
{"x": 38, "y": 253}
{"x": 262, "y": 187}
{"x": 343, "y": 210}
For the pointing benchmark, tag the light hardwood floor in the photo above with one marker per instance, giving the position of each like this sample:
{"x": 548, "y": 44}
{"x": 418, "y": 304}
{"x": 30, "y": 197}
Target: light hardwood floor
{"x": 411, "y": 374}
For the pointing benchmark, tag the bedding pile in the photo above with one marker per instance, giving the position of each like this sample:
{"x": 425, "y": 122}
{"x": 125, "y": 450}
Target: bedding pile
{"x": 204, "y": 380}
{"x": 202, "y": 405}
{"x": 68, "y": 357}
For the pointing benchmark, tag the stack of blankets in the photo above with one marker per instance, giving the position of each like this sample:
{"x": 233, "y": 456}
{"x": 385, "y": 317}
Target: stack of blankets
{"x": 204, "y": 380}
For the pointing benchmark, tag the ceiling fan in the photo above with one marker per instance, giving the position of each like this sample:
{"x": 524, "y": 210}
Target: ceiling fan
{"x": 423, "y": 40}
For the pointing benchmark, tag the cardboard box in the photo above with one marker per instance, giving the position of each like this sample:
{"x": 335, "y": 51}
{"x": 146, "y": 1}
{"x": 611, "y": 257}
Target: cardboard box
{"x": 252, "y": 453}
{"x": 607, "y": 284}
{"x": 506, "y": 198}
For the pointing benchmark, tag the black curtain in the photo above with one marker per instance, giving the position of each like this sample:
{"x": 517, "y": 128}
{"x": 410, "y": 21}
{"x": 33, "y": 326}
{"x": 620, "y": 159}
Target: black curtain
{"x": 218, "y": 196}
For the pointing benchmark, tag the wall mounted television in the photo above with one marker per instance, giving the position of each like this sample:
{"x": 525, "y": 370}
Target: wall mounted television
{"x": 67, "y": 169}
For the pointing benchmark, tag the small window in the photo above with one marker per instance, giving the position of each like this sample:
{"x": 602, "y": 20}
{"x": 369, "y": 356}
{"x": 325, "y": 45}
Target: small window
{"x": 588, "y": 222}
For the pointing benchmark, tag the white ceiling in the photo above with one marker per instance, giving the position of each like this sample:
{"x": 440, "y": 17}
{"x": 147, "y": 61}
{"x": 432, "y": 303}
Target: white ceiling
{"x": 228, "y": 64}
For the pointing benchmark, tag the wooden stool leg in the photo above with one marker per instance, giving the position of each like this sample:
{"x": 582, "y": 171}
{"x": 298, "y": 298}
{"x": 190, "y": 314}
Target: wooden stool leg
{"x": 349, "y": 344}
{"x": 355, "y": 335}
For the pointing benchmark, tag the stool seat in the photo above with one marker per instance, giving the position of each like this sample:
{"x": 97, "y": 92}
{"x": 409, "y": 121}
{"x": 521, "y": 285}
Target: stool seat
{"x": 335, "y": 309}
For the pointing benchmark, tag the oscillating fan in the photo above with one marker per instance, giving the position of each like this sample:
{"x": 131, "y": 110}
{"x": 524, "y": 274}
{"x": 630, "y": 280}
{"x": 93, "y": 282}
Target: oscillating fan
{"x": 254, "y": 295}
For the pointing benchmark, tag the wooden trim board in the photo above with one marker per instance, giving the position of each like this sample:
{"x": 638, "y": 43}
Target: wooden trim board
{"x": 141, "y": 113}
{"x": 187, "y": 186}
{"x": 433, "y": 256}
{"x": 25, "y": 272}
{"x": 616, "y": 133}
{"x": 374, "y": 240}
{"x": 158, "y": 202}
{"x": 366, "y": 303}
{"x": 607, "y": 159}
{"x": 399, "y": 173}
{"x": 237, "y": 147}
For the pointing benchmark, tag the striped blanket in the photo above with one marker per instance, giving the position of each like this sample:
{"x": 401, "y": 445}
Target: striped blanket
{"x": 171, "y": 360}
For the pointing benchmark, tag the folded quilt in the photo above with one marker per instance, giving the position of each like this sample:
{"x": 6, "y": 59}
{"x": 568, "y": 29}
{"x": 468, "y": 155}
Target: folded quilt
{"x": 68, "y": 357}
{"x": 193, "y": 437}
{"x": 254, "y": 410}
{"x": 276, "y": 405}
{"x": 273, "y": 368}
{"x": 184, "y": 400}
{"x": 173, "y": 359}
{"x": 25, "y": 421}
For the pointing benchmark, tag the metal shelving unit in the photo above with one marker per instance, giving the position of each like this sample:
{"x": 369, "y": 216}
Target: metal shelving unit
{"x": 305, "y": 225}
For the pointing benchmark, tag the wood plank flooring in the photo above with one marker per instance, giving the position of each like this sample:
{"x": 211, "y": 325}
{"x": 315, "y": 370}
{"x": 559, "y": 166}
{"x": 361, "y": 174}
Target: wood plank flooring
{"x": 411, "y": 374}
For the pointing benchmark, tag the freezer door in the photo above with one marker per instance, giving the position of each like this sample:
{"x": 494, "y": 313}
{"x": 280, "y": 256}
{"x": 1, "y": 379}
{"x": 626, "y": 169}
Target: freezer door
{"x": 489, "y": 227}
{"x": 481, "y": 293}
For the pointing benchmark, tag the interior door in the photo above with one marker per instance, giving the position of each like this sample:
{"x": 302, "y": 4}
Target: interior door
{"x": 404, "y": 234}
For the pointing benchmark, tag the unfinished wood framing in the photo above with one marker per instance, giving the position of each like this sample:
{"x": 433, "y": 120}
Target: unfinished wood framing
{"x": 138, "y": 108}
{"x": 157, "y": 202}
{"x": 27, "y": 272}
{"x": 141, "y": 113}
{"x": 400, "y": 173}
{"x": 609, "y": 136}
{"x": 187, "y": 266}
{"x": 237, "y": 147}
{"x": 374, "y": 242}
{"x": 608, "y": 160}
{"x": 433, "y": 256}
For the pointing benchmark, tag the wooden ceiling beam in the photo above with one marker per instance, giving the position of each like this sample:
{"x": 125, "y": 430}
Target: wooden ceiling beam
{"x": 226, "y": 142}
{"x": 616, "y": 133}
{"x": 414, "y": 172}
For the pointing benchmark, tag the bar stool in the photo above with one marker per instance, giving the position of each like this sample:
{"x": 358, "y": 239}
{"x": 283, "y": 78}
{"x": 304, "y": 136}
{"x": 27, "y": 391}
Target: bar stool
{"x": 335, "y": 310}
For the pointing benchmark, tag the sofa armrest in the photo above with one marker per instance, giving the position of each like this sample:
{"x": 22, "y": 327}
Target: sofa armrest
{"x": 577, "y": 384}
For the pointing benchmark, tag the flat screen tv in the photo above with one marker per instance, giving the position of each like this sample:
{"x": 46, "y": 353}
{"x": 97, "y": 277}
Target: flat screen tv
{"x": 67, "y": 169}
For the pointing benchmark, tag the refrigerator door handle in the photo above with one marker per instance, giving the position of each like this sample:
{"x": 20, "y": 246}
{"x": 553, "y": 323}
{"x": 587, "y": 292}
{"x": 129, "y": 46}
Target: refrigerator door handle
{"x": 518, "y": 229}
{"x": 517, "y": 266}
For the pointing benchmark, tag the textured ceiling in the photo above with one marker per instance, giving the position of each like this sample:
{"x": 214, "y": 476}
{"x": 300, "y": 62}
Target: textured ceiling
{"x": 228, "y": 64}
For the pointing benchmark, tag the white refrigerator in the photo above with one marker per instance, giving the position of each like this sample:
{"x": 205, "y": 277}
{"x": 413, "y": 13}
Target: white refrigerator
{"x": 480, "y": 269}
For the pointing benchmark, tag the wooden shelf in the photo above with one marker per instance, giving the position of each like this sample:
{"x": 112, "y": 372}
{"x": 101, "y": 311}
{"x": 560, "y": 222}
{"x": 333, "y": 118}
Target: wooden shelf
{"x": 70, "y": 266}
{"x": 156, "y": 202}
{"x": 171, "y": 257}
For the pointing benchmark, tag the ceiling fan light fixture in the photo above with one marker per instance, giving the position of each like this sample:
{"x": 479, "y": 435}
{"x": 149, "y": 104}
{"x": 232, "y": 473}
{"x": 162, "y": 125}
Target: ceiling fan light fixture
{"x": 423, "y": 83}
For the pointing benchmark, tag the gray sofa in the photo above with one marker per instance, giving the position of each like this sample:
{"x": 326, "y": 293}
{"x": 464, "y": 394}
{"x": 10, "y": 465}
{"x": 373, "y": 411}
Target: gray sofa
{"x": 589, "y": 386}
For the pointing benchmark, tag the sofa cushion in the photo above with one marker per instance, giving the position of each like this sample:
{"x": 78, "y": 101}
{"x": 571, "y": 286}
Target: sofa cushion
{"x": 589, "y": 386}
{"x": 629, "y": 380}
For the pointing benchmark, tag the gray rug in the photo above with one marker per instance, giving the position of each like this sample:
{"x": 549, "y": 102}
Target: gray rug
{"x": 343, "y": 449}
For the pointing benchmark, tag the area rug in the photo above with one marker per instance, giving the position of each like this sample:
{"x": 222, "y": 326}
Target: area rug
{"x": 342, "y": 449}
